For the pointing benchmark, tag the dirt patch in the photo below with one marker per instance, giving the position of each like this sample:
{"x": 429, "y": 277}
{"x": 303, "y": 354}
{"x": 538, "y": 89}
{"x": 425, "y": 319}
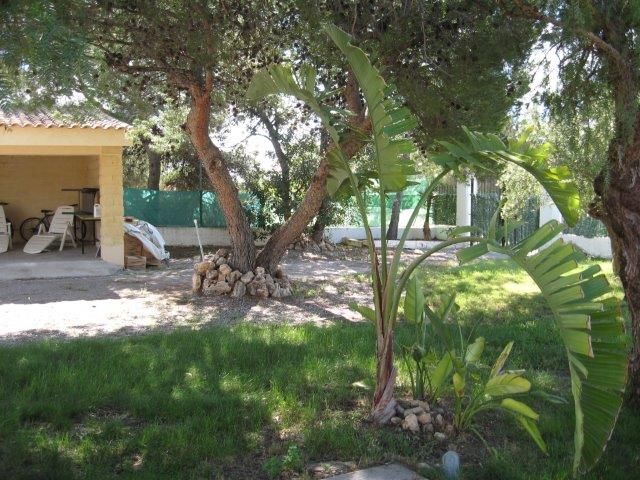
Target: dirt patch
{"x": 160, "y": 299}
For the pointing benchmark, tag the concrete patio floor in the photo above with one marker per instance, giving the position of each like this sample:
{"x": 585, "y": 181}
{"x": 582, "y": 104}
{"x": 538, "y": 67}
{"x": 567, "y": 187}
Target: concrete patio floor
{"x": 17, "y": 265}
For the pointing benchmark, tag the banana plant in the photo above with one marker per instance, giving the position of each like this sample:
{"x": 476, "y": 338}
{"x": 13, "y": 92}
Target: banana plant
{"x": 589, "y": 328}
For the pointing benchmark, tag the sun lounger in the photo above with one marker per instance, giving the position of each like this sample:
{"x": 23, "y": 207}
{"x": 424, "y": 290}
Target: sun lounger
{"x": 5, "y": 232}
{"x": 59, "y": 229}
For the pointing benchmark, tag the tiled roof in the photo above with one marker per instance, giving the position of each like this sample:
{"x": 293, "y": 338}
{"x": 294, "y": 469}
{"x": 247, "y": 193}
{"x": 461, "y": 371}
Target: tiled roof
{"x": 50, "y": 119}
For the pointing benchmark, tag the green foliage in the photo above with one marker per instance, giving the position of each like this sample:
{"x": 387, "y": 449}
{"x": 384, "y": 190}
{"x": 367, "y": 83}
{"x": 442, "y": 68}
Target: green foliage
{"x": 590, "y": 324}
{"x": 484, "y": 153}
{"x": 488, "y": 152}
{"x": 442, "y": 354}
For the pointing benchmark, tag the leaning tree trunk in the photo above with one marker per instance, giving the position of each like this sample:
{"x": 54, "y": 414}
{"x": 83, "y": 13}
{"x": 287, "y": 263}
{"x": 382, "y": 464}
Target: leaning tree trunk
{"x": 394, "y": 221}
{"x": 197, "y": 127}
{"x": 426, "y": 228}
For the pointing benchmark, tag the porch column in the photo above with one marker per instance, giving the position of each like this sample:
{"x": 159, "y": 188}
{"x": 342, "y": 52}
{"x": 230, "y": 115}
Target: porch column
{"x": 463, "y": 203}
{"x": 111, "y": 230}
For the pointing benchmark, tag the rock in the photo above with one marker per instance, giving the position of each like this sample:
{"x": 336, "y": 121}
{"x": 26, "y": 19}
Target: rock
{"x": 259, "y": 271}
{"x": 225, "y": 270}
{"x": 222, "y": 252}
{"x": 424, "y": 418}
{"x": 212, "y": 274}
{"x": 413, "y": 403}
{"x": 234, "y": 276}
{"x": 271, "y": 285}
{"x": 277, "y": 292}
{"x": 449, "y": 430}
{"x": 239, "y": 289}
{"x": 428, "y": 427}
{"x": 220, "y": 288}
{"x": 196, "y": 283}
{"x": 247, "y": 277}
{"x": 439, "y": 421}
{"x": 424, "y": 405}
{"x": 285, "y": 292}
{"x": 396, "y": 420}
{"x": 410, "y": 423}
{"x": 221, "y": 261}
{"x": 400, "y": 410}
{"x": 201, "y": 267}
{"x": 207, "y": 287}
{"x": 279, "y": 273}
{"x": 415, "y": 411}
{"x": 439, "y": 436}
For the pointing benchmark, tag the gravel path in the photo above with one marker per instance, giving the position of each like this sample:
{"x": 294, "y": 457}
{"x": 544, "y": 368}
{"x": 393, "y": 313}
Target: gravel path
{"x": 134, "y": 302}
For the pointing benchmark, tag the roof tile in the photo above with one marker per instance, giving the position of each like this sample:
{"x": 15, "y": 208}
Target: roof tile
{"x": 58, "y": 119}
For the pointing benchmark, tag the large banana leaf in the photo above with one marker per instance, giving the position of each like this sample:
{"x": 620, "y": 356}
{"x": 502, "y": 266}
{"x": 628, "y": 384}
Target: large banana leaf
{"x": 389, "y": 121}
{"x": 486, "y": 152}
{"x": 590, "y": 323}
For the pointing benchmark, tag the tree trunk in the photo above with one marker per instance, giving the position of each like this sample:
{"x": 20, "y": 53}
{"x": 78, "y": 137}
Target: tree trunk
{"x": 317, "y": 231}
{"x": 197, "y": 127}
{"x": 618, "y": 189}
{"x": 384, "y": 403}
{"x": 155, "y": 167}
{"x": 284, "y": 187}
{"x": 621, "y": 215}
{"x": 426, "y": 229}
{"x": 392, "y": 231}
{"x": 291, "y": 230}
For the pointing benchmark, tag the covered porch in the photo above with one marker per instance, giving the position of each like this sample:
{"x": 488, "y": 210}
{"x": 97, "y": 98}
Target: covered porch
{"x": 44, "y": 157}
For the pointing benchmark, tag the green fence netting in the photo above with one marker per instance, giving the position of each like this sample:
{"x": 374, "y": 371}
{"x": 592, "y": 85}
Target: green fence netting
{"x": 178, "y": 208}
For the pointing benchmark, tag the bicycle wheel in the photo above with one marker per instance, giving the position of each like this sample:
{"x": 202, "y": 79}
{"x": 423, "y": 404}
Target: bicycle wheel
{"x": 29, "y": 228}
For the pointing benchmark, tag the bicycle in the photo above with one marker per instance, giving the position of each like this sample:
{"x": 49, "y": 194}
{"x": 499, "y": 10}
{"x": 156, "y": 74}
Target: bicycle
{"x": 30, "y": 226}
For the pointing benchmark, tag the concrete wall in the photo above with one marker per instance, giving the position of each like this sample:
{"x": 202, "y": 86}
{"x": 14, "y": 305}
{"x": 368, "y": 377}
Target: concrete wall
{"x": 32, "y": 183}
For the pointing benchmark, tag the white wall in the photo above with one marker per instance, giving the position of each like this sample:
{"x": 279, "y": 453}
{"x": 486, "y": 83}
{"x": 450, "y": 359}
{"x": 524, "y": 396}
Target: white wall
{"x": 186, "y": 236}
{"x": 336, "y": 234}
{"x": 595, "y": 247}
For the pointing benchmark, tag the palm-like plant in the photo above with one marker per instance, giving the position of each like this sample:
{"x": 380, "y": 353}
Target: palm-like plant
{"x": 590, "y": 328}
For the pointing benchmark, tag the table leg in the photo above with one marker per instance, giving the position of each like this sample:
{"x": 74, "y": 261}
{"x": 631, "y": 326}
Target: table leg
{"x": 82, "y": 236}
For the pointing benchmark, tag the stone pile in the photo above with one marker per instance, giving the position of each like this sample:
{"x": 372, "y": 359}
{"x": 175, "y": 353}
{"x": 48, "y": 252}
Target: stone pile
{"x": 214, "y": 276}
{"x": 307, "y": 243}
{"x": 416, "y": 415}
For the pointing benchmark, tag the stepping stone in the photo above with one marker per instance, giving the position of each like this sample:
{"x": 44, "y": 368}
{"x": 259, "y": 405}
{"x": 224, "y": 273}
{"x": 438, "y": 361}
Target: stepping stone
{"x": 393, "y": 471}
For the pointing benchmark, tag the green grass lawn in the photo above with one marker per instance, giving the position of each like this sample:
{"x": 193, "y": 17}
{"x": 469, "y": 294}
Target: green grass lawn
{"x": 222, "y": 402}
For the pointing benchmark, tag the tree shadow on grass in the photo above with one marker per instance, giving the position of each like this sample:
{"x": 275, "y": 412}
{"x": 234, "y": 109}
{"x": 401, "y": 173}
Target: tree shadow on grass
{"x": 188, "y": 404}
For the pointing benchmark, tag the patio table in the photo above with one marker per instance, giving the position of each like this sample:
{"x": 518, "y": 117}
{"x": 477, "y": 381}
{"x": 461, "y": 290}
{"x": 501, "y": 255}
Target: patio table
{"x": 84, "y": 219}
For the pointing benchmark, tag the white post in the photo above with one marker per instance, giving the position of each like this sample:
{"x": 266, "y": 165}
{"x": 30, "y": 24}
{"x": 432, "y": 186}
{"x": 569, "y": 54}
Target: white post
{"x": 463, "y": 203}
{"x": 548, "y": 210}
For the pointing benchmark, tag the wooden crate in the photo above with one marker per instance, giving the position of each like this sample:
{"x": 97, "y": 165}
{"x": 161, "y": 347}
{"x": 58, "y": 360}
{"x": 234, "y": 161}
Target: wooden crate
{"x": 134, "y": 247}
{"x": 135, "y": 262}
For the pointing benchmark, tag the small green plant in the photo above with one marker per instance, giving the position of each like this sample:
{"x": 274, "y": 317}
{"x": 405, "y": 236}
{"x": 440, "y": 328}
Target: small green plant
{"x": 473, "y": 396}
{"x": 290, "y": 461}
{"x": 430, "y": 371}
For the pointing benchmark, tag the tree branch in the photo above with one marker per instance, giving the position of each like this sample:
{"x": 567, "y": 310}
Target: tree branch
{"x": 530, "y": 11}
